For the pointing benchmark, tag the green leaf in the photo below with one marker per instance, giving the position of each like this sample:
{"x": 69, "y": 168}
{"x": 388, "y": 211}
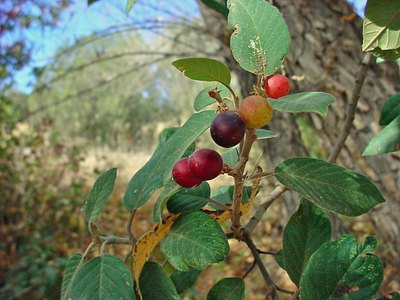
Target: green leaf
{"x": 129, "y": 5}
{"x": 157, "y": 171}
{"x": 392, "y": 54}
{"x": 204, "y": 69}
{"x": 342, "y": 269}
{"x": 99, "y": 194}
{"x": 203, "y": 99}
{"x": 224, "y": 195}
{"x": 69, "y": 274}
{"x": 217, "y": 5}
{"x": 155, "y": 284}
{"x": 165, "y": 135}
{"x": 317, "y": 102}
{"x": 390, "y": 110}
{"x": 308, "y": 228}
{"x": 386, "y": 141}
{"x": 381, "y": 27}
{"x": 231, "y": 157}
{"x": 188, "y": 200}
{"x": 169, "y": 189}
{"x": 279, "y": 259}
{"x": 195, "y": 241}
{"x": 263, "y": 134}
{"x": 104, "y": 277}
{"x": 329, "y": 186}
{"x": 185, "y": 280}
{"x": 227, "y": 289}
{"x": 90, "y": 2}
{"x": 261, "y": 38}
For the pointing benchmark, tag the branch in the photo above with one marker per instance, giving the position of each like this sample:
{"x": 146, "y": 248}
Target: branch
{"x": 352, "y": 108}
{"x": 261, "y": 209}
{"x": 267, "y": 278}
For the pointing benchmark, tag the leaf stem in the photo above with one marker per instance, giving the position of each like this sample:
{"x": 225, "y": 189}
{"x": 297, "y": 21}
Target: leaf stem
{"x": 223, "y": 206}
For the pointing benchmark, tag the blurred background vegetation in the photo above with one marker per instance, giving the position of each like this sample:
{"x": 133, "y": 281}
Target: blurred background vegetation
{"x": 100, "y": 100}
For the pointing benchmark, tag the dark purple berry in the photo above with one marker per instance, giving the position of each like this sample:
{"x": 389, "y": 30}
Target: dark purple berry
{"x": 227, "y": 129}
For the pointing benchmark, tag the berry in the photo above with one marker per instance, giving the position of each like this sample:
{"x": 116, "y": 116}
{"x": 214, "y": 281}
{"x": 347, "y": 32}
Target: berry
{"x": 182, "y": 175}
{"x": 205, "y": 164}
{"x": 277, "y": 86}
{"x": 255, "y": 111}
{"x": 227, "y": 129}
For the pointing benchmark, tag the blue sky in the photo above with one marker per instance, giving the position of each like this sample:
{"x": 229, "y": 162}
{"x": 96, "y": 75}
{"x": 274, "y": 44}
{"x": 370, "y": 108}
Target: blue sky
{"x": 81, "y": 20}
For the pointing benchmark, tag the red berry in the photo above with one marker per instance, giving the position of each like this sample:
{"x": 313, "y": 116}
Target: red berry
{"x": 227, "y": 129}
{"x": 182, "y": 174}
{"x": 277, "y": 86}
{"x": 205, "y": 164}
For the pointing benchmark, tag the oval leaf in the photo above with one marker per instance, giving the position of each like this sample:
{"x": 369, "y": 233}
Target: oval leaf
{"x": 261, "y": 38}
{"x": 99, "y": 194}
{"x": 381, "y": 27}
{"x": 308, "y": 228}
{"x": 168, "y": 191}
{"x": 217, "y": 5}
{"x": 157, "y": 171}
{"x": 329, "y": 186}
{"x": 204, "y": 69}
{"x": 224, "y": 195}
{"x": 342, "y": 269}
{"x": 104, "y": 277}
{"x": 69, "y": 274}
{"x": 194, "y": 241}
{"x": 386, "y": 141}
{"x": 203, "y": 99}
{"x": 155, "y": 284}
{"x": 129, "y": 5}
{"x": 317, "y": 102}
{"x": 263, "y": 134}
{"x": 188, "y": 200}
{"x": 390, "y": 110}
{"x": 184, "y": 280}
{"x": 227, "y": 289}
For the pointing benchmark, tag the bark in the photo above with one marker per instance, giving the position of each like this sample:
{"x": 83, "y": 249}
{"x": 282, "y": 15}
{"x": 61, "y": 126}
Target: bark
{"x": 324, "y": 56}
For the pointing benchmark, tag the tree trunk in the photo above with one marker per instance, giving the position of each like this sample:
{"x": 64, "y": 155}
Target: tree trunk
{"x": 325, "y": 55}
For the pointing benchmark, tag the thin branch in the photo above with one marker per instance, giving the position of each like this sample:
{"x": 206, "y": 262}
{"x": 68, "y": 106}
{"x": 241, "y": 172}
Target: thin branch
{"x": 88, "y": 249}
{"x": 261, "y": 208}
{"x": 267, "y": 278}
{"x": 285, "y": 291}
{"x": 352, "y": 108}
{"x": 249, "y": 269}
{"x": 132, "y": 238}
{"x": 223, "y": 206}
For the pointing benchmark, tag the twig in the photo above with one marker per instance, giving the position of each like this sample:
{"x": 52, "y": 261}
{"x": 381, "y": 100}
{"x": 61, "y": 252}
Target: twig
{"x": 223, "y": 206}
{"x": 237, "y": 172}
{"x": 88, "y": 249}
{"x": 132, "y": 238}
{"x": 266, "y": 252}
{"x": 261, "y": 208}
{"x": 352, "y": 108}
{"x": 267, "y": 278}
{"x": 285, "y": 291}
{"x": 249, "y": 269}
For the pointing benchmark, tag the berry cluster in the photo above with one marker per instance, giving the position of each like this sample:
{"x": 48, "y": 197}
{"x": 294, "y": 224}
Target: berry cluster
{"x": 227, "y": 130}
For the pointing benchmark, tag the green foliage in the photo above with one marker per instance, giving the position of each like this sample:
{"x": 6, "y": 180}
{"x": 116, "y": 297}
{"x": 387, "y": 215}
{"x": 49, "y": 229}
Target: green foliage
{"x": 390, "y": 110}
{"x": 69, "y": 274}
{"x": 217, "y": 5}
{"x": 386, "y": 141}
{"x": 304, "y": 102}
{"x": 129, "y": 5}
{"x": 227, "y": 289}
{"x": 155, "y": 284}
{"x": 157, "y": 170}
{"x": 104, "y": 277}
{"x": 204, "y": 69}
{"x": 261, "y": 39}
{"x": 381, "y": 25}
{"x": 263, "y": 134}
{"x": 184, "y": 280}
{"x": 188, "y": 200}
{"x": 308, "y": 228}
{"x": 224, "y": 195}
{"x": 195, "y": 241}
{"x": 329, "y": 186}
{"x": 203, "y": 99}
{"x": 342, "y": 269}
{"x": 99, "y": 195}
